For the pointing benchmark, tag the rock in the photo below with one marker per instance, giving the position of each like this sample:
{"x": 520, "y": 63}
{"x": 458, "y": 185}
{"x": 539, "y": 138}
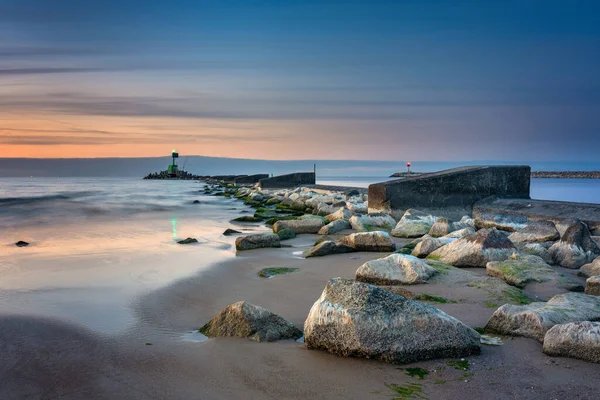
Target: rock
{"x": 355, "y": 319}
{"x": 590, "y": 269}
{"x": 468, "y": 221}
{"x": 429, "y": 244}
{"x": 414, "y": 223}
{"x": 520, "y": 270}
{"x": 503, "y": 222}
{"x": 442, "y": 227}
{"x": 395, "y": 269}
{"x": 460, "y": 233}
{"x": 535, "y": 249}
{"x": 357, "y": 208}
{"x": 312, "y": 225}
{"x": 21, "y": 243}
{"x": 339, "y": 203}
{"x": 286, "y": 234}
{"x": 257, "y": 241}
{"x": 335, "y": 227}
{"x": 326, "y": 248}
{"x": 372, "y": 222}
{"x": 246, "y": 320}
{"x": 534, "y": 320}
{"x": 196, "y": 202}
{"x": 246, "y": 218}
{"x": 229, "y": 232}
{"x": 352, "y": 193}
{"x": 325, "y": 209}
{"x": 274, "y": 271}
{"x": 476, "y": 250}
{"x": 298, "y": 205}
{"x": 187, "y": 241}
{"x": 579, "y": 340}
{"x": 592, "y": 286}
{"x": 342, "y": 213}
{"x": 369, "y": 241}
{"x": 575, "y": 247}
{"x": 538, "y": 231}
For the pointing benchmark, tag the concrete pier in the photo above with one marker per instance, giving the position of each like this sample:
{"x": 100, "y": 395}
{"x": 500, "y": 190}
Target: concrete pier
{"x": 249, "y": 179}
{"x": 451, "y": 192}
{"x": 288, "y": 181}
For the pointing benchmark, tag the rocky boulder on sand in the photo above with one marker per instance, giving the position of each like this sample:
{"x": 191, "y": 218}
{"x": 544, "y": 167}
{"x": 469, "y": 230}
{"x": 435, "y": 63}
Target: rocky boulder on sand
{"x": 355, "y": 319}
{"x": 444, "y": 226}
{"x": 369, "y": 241}
{"x": 326, "y": 248}
{"x": 537, "y": 231}
{"x": 533, "y": 320}
{"x": 592, "y": 286}
{"x": 335, "y": 227}
{"x": 342, "y": 213}
{"x": 395, "y": 269}
{"x": 430, "y": 244}
{"x": 246, "y": 320}
{"x": 575, "y": 247}
{"x": 579, "y": 340}
{"x": 372, "y": 222}
{"x": 476, "y": 250}
{"x": 591, "y": 269}
{"x": 311, "y": 225}
{"x": 257, "y": 241}
{"x": 414, "y": 223}
{"x": 520, "y": 270}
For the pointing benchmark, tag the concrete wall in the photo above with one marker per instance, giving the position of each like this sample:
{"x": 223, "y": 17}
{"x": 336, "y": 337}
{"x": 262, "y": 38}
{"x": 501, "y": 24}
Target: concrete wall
{"x": 450, "y": 193}
{"x": 249, "y": 179}
{"x": 288, "y": 181}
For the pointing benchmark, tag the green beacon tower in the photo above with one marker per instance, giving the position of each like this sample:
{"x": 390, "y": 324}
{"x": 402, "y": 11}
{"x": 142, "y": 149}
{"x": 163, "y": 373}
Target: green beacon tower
{"x": 173, "y": 170}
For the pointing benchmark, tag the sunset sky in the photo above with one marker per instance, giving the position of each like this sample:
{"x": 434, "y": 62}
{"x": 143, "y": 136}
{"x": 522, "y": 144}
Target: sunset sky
{"x": 370, "y": 80}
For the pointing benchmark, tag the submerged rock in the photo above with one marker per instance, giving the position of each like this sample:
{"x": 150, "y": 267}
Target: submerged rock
{"x": 520, "y": 270}
{"x": 591, "y": 269}
{"x": 414, "y": 223}
{"x": 335, "y": 227}
{"x": 538, "y": 231}
{"x": 372, "y": 222}
{"x": 476, "y": 250}
{"x": 369, "y": 241}
{"x": 575, "y": 247}
{"x": 188, "y": 241}
{"x": 395, "y": 269}
{"x": 355, "y": 319}
{"x": 592, "y": 286}
{"x": 534, "y": 320}
{"x": 21, "y": 243}
{"x": 312, "y": 225}
{"x": 326, "y": 248}
{"x": 257, "y": 241}
{"x": 246, "y": 218}
{"x": 246, "y": 320}
{"x": 229, "y": 232}
{"x": 579, "y": 340}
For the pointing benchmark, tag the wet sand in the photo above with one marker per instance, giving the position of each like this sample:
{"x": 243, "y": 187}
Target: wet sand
{"x": 154, "y": 359}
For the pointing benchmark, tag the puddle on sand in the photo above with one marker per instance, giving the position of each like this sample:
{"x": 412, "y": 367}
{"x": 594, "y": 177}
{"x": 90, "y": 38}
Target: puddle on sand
{"x": 193, "y": 336}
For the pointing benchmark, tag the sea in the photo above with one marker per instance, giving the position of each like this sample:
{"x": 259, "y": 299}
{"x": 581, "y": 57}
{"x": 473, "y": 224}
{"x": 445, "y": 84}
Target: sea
{"x": 98, "y": 244}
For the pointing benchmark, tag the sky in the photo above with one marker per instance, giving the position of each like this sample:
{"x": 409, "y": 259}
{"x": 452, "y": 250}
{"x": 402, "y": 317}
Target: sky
{"x": 365, "y": 80}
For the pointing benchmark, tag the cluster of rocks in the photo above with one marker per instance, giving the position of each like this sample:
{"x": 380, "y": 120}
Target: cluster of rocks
{"x": 184, "y": 175}
{"x": 367, "y": 317}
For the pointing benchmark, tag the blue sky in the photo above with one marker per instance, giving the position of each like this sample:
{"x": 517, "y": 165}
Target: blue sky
{"x": 437, "y": 80}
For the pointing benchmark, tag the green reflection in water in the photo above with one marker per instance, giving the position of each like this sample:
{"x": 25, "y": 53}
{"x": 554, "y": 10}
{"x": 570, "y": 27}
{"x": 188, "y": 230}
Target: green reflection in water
{"x": 174, "y": 225}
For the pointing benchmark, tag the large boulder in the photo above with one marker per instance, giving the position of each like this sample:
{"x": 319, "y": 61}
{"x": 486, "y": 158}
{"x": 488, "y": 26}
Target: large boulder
{"x": 369, "y": 241}
{"x": 342, "y": 213}
{"x": 579, "y": 340}
{"x": 539, "y": 249}
{"x": 414, "y": 223}
{"x": 335, "y": 227}
{"x": 444, "y": 226}
{"x": 429, "y": 244}
{"x": 538, "y": 231}
{"x": 575, "y": 247}
{"x": 251, "y": 242}
{"x": 592, "y": 286}
{"x": 503, "y": 222}
{"x": 476, "y": 250}
{"x": 358, "y": 208}
{"x": 461, "y": 233}
{"x": 395, "y": 269}
{"x": 591, "y": 269}
{"x": 326, "y": 248}
{"x": 533, "y": 320}
{"x": 326, "y": 209}
{"x": 355, "y": 319}
{"x": 372, "y": 222}
{"x": 246, "y": 320}
{"x": 311, "y": 225}
{"x": 520, "y": 270}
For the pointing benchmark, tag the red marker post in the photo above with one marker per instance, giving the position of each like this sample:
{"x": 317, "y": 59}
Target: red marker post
{"x": 408, "y": 165}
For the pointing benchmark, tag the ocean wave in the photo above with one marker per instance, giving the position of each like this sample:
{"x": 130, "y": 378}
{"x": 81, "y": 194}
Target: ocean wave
{"x": 28, "y": 200}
